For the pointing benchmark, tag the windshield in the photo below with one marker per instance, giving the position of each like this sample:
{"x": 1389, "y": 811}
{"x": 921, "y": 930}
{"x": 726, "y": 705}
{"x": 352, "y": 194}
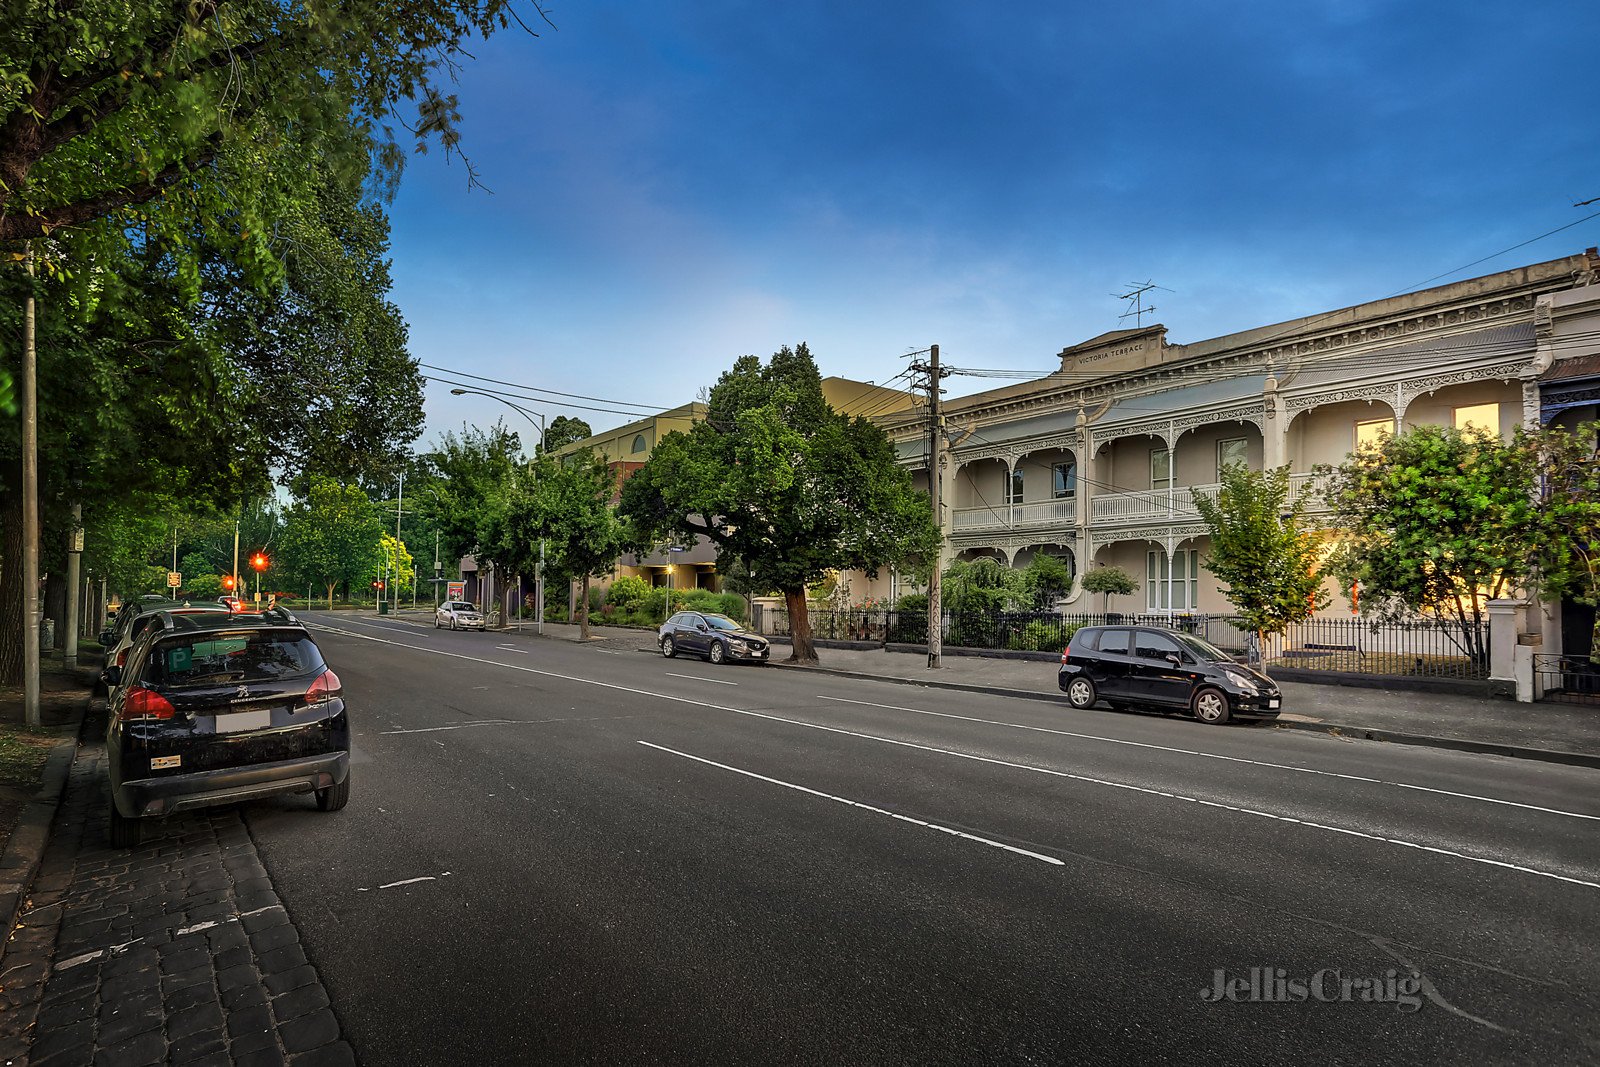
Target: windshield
{"x": 1205, "y": 651}
{"x": 461, "y": 605}
{"x": 722, "y": 622}
{"x": 218, "y": 658}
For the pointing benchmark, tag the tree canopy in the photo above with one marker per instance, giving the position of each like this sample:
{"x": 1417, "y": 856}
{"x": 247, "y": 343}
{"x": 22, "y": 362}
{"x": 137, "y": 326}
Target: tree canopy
{"x": 1261, "y": 548}
{"x": 778, "y": 480}
{"x": 331, "y": 538}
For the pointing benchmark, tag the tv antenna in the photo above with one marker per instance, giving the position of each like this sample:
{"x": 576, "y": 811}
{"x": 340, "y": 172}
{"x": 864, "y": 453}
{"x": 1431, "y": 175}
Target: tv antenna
{"x": 1137, "y": 309}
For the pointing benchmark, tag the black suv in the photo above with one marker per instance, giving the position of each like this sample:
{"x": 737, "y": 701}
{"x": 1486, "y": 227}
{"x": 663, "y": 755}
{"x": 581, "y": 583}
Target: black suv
{"x": 221, "y": 707}
{"x": 716, "y": 637}
{"x": 1143, "y": 665}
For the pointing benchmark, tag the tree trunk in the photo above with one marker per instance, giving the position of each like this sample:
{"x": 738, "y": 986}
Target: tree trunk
{"x": 11, "y": 598}
{"x": 583, "y": 611}
{"x": 55, "y": 605}
{"x": 331, "y": 587}
{"x": 804, "y": 652}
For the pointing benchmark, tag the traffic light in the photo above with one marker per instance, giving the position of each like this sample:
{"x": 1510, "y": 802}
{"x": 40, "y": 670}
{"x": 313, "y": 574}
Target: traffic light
{"x": 227, "y": 581}
{"x": 259, "y": 561}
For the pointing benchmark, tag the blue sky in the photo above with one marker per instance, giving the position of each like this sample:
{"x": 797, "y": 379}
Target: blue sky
{"x": 675, "y": 185}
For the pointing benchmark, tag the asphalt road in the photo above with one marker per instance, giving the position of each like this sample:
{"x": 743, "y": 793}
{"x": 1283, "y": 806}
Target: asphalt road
{"x": 558, "y": 853}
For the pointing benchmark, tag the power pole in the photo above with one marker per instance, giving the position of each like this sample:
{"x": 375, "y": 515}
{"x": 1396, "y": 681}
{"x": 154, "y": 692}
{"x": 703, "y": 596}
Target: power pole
{"x": 236, "y": 591}
{"x": 398, "y": 500}
{"x": 30, "y": 506}
{"x": 74, "y": 562}
{"x": 936, "y": 443}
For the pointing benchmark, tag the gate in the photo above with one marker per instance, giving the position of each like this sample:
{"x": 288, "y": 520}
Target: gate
{"x": 1567, "y": 679}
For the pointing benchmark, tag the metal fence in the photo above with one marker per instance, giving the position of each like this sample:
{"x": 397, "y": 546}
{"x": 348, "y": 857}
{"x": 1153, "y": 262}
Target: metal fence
{"x": 1567, "y": 679}
{"x": 1417, "y": 647}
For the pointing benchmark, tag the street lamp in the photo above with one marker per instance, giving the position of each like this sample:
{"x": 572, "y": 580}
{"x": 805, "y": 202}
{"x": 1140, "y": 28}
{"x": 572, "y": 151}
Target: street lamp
{"x": 537, "y": 418}
{"x": 670, "y": 550}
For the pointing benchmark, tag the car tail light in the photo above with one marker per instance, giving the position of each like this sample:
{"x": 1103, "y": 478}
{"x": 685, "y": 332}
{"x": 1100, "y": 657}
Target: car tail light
{"x": 142, "y": 703}
{"x": 1064, "y": 652}
{"x": 324, "y": 688}
{"x": 122, "y": 658}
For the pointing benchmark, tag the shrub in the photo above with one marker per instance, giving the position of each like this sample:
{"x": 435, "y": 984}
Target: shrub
{"x": 597, "y": 597}
{"x": 731, "y": 605}
{"x": 627, "y": 591}
{"x": 912, "y": 602}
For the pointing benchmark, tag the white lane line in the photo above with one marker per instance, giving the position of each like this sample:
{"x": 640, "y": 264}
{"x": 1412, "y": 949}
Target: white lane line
{"x": 1217, "y": 756}
{"x": 500, "y": 722}
{"x": 698, "y": 678}
{"x": 410, "y": 881}
{"x": 508, "y": 648}
{"x": 981, "y": 759}
{"x": 864, "y": 807}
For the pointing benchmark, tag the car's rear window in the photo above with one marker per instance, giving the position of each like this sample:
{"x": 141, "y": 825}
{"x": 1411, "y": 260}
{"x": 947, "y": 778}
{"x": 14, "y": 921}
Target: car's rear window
{"x": 230, "y": 657}
{"x": 1115, "y": 642}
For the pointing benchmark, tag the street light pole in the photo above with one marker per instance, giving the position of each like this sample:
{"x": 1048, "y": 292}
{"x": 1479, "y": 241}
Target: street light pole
{"x": 537, "y": 418}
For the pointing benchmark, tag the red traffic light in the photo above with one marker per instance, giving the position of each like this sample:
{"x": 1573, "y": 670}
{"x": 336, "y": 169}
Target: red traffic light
{"x": 227, "y": 581}
{"x": 259, "y": 561}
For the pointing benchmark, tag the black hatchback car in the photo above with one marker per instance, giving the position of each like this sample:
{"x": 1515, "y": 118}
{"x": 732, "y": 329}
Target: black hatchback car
{"x": 219, "y": 708}
{"x": 716, "y": 637}
{"x": 1147, "y": 666}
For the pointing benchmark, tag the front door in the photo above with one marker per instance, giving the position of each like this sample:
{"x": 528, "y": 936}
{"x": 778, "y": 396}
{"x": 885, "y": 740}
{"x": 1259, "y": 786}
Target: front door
{"x": 1155, "y": 677}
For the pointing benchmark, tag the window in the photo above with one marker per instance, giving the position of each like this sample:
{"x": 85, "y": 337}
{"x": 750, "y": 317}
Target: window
{"x": 1160, "y": 468}
{"x": 1482, "y": 416}
{"x": 1373, "y": 431}
{"x": 640, "y": 444}
{"x": 1235, "y": 450}
{"x": 1177, "y": 589}
{"x": 1114, "y": 642}
{"x": 1014, "y": 487}
{"x": 1155, "y": 646}
{"x": 1065, "y": 480}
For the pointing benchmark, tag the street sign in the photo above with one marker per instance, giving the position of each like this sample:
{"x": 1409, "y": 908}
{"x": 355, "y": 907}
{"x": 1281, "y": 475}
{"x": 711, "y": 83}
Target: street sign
{"x": 174, "y": 579}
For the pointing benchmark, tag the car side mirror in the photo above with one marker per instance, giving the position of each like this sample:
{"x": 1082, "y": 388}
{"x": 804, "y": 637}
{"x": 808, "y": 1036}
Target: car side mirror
{"x": 1175, "y": 659}
{"x": 113, "y": 675}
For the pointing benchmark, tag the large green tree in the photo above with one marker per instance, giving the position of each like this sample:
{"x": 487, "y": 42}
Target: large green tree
{"x": 1437, "y": 520}
{"x": 1567, "y": 551}
{"x": 331, "y": 538}
{"x": 1262, "y": 548}
{"x": 780, "y": 481}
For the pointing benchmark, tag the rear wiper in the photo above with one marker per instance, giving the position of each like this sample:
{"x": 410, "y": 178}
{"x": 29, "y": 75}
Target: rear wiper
{"x": 221, "y": 676}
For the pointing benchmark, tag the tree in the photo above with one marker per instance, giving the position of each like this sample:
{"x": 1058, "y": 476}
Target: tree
{"x": 107, "y": 105}
{"x": 778, "y": 480}
{"x": 982, "y": 586}
{"x": 1109, "y": 581}
{"x": 569, "y": 504}
{"x": 331, "y": 538}
{"x": 394, "y": 563}
{"x": 562, "y": 431}
{"x": 1436, "y": 520}
{"x": 1567, "y": 551}
{"x": 1047, "y": 578}
{"x": 1261, "y": 548}
{"x": 471, "y": 479}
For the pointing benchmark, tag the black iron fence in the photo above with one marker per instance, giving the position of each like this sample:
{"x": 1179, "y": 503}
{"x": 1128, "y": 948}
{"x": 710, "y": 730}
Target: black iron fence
{"x": 1567, "y": 679}
{"x": 1425, "y": 647}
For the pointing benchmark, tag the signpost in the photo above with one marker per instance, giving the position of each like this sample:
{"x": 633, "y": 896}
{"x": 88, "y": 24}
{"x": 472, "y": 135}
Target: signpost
{"x": 174, "y": 580}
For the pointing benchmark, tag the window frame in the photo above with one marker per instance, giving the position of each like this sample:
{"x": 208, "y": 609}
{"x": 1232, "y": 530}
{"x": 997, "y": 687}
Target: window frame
{"x": 1386, "y": 427}
{"x": 1244, "y": 460}
{"x": 1460, "y": 424}
{"x": 1015, "y": 482}
{"x": 1064, "y": 486}
{"x": 1155, "y": 483}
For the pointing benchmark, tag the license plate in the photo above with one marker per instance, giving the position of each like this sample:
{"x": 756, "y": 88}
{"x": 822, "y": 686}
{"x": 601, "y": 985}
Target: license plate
{"x": 165, "y": 763}
{"x": 235, "y": 721}
{"x": 1273, "y": 704}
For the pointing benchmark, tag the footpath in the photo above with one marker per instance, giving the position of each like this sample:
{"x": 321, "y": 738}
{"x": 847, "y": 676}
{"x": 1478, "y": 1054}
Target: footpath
{"x": 1554, "y": 733}
{"x": 176, "y": 952}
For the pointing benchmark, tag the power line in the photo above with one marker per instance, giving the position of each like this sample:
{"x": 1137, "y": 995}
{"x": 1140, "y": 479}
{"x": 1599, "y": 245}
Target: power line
{"x": 546, "y": 401}
{"x": 538, "y": 389}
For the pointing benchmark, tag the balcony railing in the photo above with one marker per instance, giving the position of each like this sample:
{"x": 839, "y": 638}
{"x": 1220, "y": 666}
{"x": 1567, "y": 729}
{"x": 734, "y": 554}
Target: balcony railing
{"x": 1033, "y": 513}
{"x": 1177, "y": 504}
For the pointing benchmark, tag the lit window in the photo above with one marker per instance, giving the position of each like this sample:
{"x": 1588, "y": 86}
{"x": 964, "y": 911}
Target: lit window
{"x": 1233, "y": 452}
{"x": 1014, "y": 487}
{"x": 1160, "y": 468}
{"x": 1482, "y": 416}
{"x": 1065, "y": 477}
{"x": 1373, "y": 431}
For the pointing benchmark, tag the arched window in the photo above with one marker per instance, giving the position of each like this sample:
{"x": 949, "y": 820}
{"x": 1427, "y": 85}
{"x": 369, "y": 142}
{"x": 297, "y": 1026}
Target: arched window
{"x": 639, "y": 444}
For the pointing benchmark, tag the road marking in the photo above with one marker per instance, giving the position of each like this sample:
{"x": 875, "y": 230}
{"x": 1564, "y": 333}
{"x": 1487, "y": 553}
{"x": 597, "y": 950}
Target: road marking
{"x": 508, "y": 648}
{"x": 1218, "y": 756}
{"x": 865, "y": 807}
{"x": 982, "y": 759}
{"x": 698, "y": 678}
{"x": 117, "y": 950}
{"x": 410, "y": 881}
{"x": 499, "y": 722}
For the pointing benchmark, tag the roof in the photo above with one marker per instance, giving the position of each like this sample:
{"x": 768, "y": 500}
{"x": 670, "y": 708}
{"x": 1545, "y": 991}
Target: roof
{"x": 1578, "y": 367}
{"x": 193, "y": 621}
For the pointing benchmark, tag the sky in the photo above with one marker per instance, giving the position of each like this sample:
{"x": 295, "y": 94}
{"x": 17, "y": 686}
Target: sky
{"x": 674, "y": 185}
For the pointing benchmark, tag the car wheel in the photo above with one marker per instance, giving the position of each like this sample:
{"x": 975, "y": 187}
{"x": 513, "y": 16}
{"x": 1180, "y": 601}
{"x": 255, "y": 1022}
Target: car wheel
{"x": 1081, "y": 693}
{"x": 1211, "y": 706}
{"x": 436, "y": 622}
{"x": 125, "y": 832}
{"x": 669, "y": 647}
{"x": 334, "y": 797}
{"x": 718, "y": 652}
